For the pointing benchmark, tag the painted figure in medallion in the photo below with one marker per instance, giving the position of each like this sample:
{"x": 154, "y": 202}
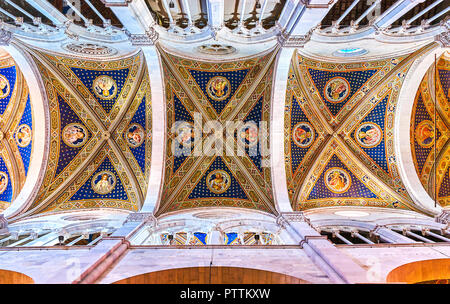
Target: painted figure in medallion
{"x": 337, "y": 180}
{"x": 218, "y": 181}
{"x": 103, "y": 182}
{"x": 3, "y": 181}
{"x": 4, "y": 87}
{"x": 23, "y": 135}
{"x": 135, "y": 135}
{"x": 74, "y": 135}
{"x": 369, "y": 135}
{"x": 303, "y": 134}
{"x": 105, "y": 87}
{"x": 336, "y": 89}
{"x": 218, "y": 88}
{"x": 425, "y": 134}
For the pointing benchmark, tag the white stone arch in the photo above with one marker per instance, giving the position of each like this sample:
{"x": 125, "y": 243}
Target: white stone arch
{"x": 279, "y": 186}
{"x": 402, "y": 127}
{"x": 41, "y": 121}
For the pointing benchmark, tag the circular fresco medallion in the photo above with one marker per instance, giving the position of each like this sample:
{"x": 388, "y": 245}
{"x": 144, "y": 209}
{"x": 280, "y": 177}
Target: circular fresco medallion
{"x": 337, "y": 180}
{"x": 4, "y": 87}
{"x": 134, "y": 135}
{"x": 23, "y": 135}
{"x": 218, "y": 88}
{"x": 218, "y": 181}
{"x": 104, "y": 87}
{"x": 248, "y": 134}
{"x": 103, "y": 182}
{"x": 184, "y": 132}
{"x": 368, "y": 135}
{"x": 425, "y": 134}
{"x": 3, "y": 181}
{"x": 336, "y": 89}
{"x": 74, "y": 135}
{"x": 303, "y": 134}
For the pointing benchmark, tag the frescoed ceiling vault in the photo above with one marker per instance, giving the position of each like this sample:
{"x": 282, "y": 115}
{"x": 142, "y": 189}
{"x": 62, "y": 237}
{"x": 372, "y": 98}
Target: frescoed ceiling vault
{"x": 16, "y": 131}
{"x": 339, "y": 133}
{"x": 100, "y": 141}
{"x": 198, "y": 94}
{"x": 430, "y": 131}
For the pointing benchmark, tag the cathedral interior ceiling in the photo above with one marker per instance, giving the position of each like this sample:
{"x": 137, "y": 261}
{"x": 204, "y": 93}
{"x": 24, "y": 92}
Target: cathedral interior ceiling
{"x": 339, "y": 133}
{"x": 100, "y": 142}
{"x": 224, "y": 92}
{"x": 430, "y": 131}
{"x": 16, "y": 131}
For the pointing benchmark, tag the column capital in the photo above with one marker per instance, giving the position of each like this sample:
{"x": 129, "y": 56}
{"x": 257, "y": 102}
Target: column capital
{"x": 444, "y": 40}
{"x": 291, "y": 217}
{"x": 286, "y": 40}
{"x": 3, "y": 224}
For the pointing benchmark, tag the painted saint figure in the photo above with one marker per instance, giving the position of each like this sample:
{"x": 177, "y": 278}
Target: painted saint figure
{"x": 303, "y": 135}
{"x": 74, "y": 135}
{"x": 337, "y": 180}
{"x": 218, "y": 181}
{"x": 249, "y": 135}
{"x": 103, "y": 183}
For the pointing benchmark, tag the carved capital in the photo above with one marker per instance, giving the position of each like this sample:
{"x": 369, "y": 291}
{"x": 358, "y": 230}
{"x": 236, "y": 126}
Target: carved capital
{"x": 290, "y": 217}
{"x": 286, "y": 40}
{"x": 5, "y": 37}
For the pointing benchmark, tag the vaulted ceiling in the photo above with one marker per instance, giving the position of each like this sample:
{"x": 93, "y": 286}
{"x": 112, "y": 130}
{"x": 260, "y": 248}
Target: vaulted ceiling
{"x": 223, "y": 92}
{"x": 430, "y": 131}
{"x": 100, "y": 137}
{"x": 16, "y": 130}
{"x": 339, "y": 133}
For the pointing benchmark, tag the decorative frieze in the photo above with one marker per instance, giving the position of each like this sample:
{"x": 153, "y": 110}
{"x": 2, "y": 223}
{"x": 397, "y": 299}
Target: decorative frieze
{"x": 149, "y": 38}
{"x": 141, "y": 217}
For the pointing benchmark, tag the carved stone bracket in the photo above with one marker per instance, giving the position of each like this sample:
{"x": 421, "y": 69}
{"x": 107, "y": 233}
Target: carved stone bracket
{"x": 146, "y": 217}
{"x": 287, "y": 40}
{"x": 3, "y": 224}
{"x": 149, "y": 38}
{"x": 289, "y": 217}
{"x": 5, "y": 37}
{"x": 443, "y": 39}
{"x": 444, "y": 217}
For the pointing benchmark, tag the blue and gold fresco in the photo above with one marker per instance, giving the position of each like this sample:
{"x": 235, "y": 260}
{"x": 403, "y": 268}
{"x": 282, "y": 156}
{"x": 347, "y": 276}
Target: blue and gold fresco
{"x": 430, "y": 131}
{"x": 222, "y": 91}
{"x": 100, "y": 141}
{"x": 16, "y": 126}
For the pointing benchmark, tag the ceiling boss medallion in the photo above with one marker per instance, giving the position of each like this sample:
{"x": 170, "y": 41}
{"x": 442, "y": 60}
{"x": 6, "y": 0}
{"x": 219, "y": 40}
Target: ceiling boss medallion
{"x": 425, "y": 134}
{"x": 3, "y": 181}
{"x": 104, "y": 87}
{"x": 337, "y": 180}
{"x": 369, "y": 135}
{"x": 218, "y": 181}
{"x": 218, "y": 88}
{"x": 103, "y": 182}
{"x": 4, "y": 87}
{"x": 336, "y": 89}
{"x": 135, "y": 135}
{"x": 303, "y": 134}
{"x": 74, "y": 135}
{"x": 23, "y": 135}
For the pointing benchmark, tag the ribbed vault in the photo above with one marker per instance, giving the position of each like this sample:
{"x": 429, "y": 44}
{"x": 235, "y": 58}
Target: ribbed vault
{"x": 339, "y": 133}
{"x": 100, "y": 145}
